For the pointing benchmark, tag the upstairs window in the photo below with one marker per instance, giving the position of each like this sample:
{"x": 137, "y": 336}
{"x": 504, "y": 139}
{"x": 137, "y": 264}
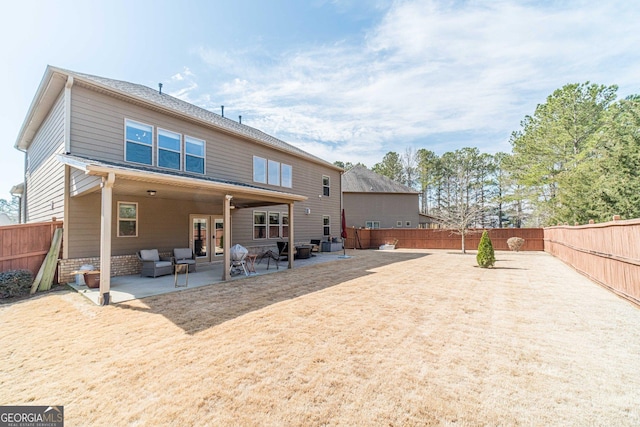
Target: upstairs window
{"x": 138, "y": 142}
{"x": 259, "y": 169}
{"x": 274, "y": 172}
{"x": 194, "y": 155}
{"x": 169, "y": 149}
{"x": 325, "y": 186}
{"x": 287, "y": 175}
{"x": 267, "y": 171}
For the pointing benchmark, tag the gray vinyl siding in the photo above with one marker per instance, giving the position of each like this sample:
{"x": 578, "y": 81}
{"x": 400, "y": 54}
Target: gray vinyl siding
{"x": 80, "y": 182}
{"x": 45, "y": 175}
{"x": 162, "y": 224}
{"x": 307, "y": 180}
{"x": 97, "y": 131}
{"x": 384, "y": 207}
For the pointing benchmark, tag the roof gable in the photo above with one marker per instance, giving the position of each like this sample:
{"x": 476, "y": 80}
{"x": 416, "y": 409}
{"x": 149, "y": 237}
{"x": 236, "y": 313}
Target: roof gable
{"x": 359, "y": 179}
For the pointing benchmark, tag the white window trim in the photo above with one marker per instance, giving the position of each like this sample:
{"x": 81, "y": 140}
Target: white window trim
{"x": 269, "y": 177}
{"x": 278, "y": 225}
{"x": 326, "y": 225}
{"x": 204, "y": 154}
{"x": 282, "y": 165}
{"x": 399, "y": 224}
{"x": 266, "y": 172}
{"x": 328, "y": 186}
{"x": 134, "y": 142}
{"x": 265, "y": 225}
{"x": 158, "y": 130}
{"x": 283, "y": 225}
{"x": 407, "y": 224}
{"x": 272, "y": 164}
{"x": 372, "y": 224}
{"x": 127, "y": 219}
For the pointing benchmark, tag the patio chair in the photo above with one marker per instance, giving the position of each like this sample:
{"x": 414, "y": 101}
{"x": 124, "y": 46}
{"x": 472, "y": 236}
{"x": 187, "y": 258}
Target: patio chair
{"x": 153, "y": 265}
{"x": 283, "y": 250}
{"x": 315, "y": 246}
{"x": 268, "y": 255}
{"x": 185, "y": 256}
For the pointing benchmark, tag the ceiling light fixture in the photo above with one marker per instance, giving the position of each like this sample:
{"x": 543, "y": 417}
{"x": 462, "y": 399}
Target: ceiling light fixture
{"x": 151, "y": 192}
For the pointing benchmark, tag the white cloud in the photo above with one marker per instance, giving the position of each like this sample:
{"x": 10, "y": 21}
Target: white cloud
{"x": 429, "y": 72}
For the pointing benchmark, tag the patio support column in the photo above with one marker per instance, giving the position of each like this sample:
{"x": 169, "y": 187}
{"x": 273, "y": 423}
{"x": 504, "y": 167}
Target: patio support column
{"x": 226, "y": 245}
{"x": 105, "y": 237}
{"x": 292, "y": 241}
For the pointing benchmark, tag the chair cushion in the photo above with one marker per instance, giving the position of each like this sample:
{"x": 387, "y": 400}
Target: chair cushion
{"x": 182, "y": 253}
{"x": 163, "y": 264}
{"x": 149, "y": 255}
{"x": 185, "y": 261}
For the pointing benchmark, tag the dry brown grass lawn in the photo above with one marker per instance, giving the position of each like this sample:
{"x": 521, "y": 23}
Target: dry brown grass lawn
{"x": 383, "y": 338}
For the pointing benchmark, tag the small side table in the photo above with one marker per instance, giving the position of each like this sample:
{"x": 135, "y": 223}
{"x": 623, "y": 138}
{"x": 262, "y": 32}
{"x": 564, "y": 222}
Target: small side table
{"x": 181, "y": 269}
{"x": 251, "y": 262}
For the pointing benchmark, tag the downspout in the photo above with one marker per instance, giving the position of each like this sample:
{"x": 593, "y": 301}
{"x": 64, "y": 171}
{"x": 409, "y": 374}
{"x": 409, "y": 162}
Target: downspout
{"x": 67, "y": 115}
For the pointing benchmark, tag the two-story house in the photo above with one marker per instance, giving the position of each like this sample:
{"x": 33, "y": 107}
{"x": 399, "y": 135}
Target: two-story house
{"x": 371, "y": 200}
{"x": 128, "y": 167}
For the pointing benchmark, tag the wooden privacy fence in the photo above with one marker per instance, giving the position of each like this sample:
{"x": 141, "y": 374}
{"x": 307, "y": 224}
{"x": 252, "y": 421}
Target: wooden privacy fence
{"x": 24, "y": 246}
{"x": 427, "y": 238}
{"x": 607, "y": 253}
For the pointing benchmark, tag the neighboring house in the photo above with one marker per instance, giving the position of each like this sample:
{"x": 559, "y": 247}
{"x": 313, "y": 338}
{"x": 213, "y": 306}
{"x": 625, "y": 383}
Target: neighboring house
{"x": 371, "y": 200}
{"x": 128, "y": 167}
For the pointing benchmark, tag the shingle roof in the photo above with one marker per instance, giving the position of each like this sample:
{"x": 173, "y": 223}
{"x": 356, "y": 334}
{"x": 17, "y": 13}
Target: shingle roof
{"x": 359, "y": 179}
{"x": 141, "y": 168}
{"x": 166, "y": 101}
{"x": 86, "y": 163}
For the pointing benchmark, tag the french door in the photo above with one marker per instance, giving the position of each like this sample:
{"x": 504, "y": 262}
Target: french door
{"x": 206, "y": 237}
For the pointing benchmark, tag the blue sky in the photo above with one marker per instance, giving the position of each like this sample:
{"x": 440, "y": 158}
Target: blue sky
{"x": 346, "y": 80}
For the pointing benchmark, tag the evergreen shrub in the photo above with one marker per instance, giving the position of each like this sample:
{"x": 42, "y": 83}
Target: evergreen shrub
{"x": 486, "y": 256}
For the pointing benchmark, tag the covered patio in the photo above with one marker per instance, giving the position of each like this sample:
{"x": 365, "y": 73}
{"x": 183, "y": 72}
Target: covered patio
{"x": 174, "y": 193}
{"x": 127, "y": 288}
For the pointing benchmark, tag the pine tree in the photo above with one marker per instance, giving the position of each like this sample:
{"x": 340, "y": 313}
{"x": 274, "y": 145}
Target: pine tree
{"x": 486, "y": 257}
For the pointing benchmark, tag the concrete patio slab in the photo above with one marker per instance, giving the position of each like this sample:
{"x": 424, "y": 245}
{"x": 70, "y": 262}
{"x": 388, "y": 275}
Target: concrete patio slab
{"x": 126, "y": 288}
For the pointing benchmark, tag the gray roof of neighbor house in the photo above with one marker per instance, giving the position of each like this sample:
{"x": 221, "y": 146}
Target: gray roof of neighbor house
{"x": 359, "y": 179}
{"x": 146, "y": 95}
